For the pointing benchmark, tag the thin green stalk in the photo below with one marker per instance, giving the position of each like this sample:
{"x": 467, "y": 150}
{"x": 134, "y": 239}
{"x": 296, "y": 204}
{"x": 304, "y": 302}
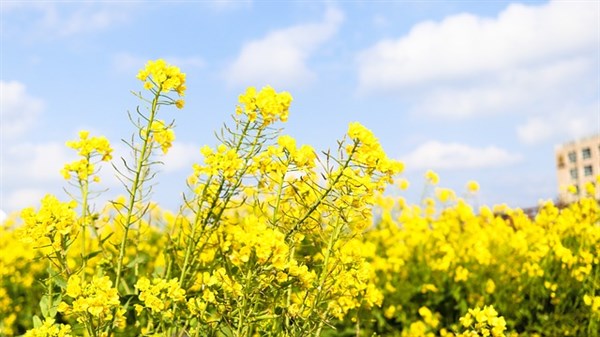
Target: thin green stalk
{"x": 137, "y": 184}
{"x": 288, "y": 297}
{"x": 242, "y": 311}
{"x": 332, "y": 240}
{"x": 84, "y": 216}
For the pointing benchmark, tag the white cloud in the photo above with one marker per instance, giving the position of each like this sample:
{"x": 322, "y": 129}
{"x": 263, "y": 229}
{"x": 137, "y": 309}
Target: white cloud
{"x": 528, "y": 59}
{"x": 36, "y": 162}
{"x": 56, "y": 21}
{"x": 453, "y": 156}
{"x": 18, "y": 110}
{"x": 181, "y": 156}
{"x": 533, "y": 89}
{"x": 25, "y": 197}
{"x": 127, "y": 63}
{"x": 279, "y": 59}
{"x": 466, "y": 46}
{"x": 2, "y": 216}
{"x": 569, "y": 124}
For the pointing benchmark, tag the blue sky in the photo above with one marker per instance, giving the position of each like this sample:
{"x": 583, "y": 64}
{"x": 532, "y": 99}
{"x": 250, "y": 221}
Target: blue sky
{"x": 473, "y": 90}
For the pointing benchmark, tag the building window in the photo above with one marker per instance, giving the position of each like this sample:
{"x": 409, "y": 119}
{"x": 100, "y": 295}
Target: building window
{"x": 586, "y": 153}
{"x": 572, "y": 156}
{"x": 587, "y": 170}
{"x": 574, "y": 173}
{"x": 560, "y": 162}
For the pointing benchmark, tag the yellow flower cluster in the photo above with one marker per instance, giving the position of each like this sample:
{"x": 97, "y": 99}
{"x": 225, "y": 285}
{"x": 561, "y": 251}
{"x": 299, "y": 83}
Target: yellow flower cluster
{"x": 160, "y": 76}
{"x": 593, "y": 302}
{"x": 163, "y": 135}
{"x": 483, "y": 322}
{"x": 51, "y": 224}
{"x": 50, "y": 329}
{"x": 352, "y": 288}
{"x": 253, "y": 239}
{"x": 267, "y": 103}
{"x": 368, "y": 151}
{"x": 303, "y": 158}
{"x": 97, "y": 298}
{"x": 224, "y": 161}
{"x": 87, "y": 148}
{"x": 159, "y": 294}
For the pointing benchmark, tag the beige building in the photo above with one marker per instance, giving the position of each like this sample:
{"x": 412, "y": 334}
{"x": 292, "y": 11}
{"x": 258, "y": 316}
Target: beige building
{"x": 577, "y": 163}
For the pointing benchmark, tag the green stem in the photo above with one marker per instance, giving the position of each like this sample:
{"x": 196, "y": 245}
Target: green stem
{"x": 332, "y": 241}
{"x": 243, "y": 310}
{"x": 84, "y": 217}
{"x": 137, "y": 184}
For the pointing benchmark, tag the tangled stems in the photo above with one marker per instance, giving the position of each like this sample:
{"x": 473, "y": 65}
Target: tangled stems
{"x": 202, "y": 197}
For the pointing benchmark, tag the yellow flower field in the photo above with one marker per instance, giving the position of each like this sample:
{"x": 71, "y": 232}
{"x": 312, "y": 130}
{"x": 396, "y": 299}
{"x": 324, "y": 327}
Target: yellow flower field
{"x": 275, "y": 239}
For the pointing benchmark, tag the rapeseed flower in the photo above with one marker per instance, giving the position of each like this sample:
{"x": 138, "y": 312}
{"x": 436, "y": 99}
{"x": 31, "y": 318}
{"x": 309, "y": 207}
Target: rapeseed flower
{"x": 49, "y": 328}
{"x": 160, "y": 76}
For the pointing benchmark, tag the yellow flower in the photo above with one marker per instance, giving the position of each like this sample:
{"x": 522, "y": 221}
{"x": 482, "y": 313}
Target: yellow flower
{"x": 159, "y": 294}
{"x": 52, "y": 221}
{"x": 472, "y": 186}
{"x": 163, "y": 77}
{"x": 403, "y": 184}
{"x": 490, "y": 286}
{"x": 432, "y": 177}
{"x": 267, "y": 103}
{"x": 74, "y": 287}
{"x": 461, "y": 274}
{"x": 389, "y": 312}
{"x": 162, "y": 134}
{"x": 50, "y": 329}
{"x": 88, "y": 148}
{"x": 445, "y": 194}
{"x": 97, "y": 298}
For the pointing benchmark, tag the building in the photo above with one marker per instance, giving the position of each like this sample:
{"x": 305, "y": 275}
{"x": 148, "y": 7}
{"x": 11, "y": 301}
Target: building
{"x": 577, "y": 163}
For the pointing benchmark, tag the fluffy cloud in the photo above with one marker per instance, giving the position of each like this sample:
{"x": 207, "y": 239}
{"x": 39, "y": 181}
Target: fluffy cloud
{"x": 531, "y": 90}
{"x": 453, "y": 156}
{"x": 18, "y": 109}
{"x": 55, "y": 21}
{"x": 24, "y": 197}
{"x": 529, "y": 59}
{"x": 36, "y": 162}
{"x": 181, "y": 156}
{"x": 467, "y": 46}
{"x": 567, "y": 125}
{"x": 280, "y": 57}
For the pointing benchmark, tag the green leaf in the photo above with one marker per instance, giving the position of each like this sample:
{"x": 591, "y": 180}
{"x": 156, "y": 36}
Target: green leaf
{"x": 45, "y": 306}
{"x": 106, "y": 238}
{"x": 137, "y": 260}
{"x": 60, "y": 281}
{"x": 49, "y": 305}
{"x": 92, "y": 254}
{"x": 37, "y": 322}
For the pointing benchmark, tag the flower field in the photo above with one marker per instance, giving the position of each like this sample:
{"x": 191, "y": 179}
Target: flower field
{"x": 275, "y": 239}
